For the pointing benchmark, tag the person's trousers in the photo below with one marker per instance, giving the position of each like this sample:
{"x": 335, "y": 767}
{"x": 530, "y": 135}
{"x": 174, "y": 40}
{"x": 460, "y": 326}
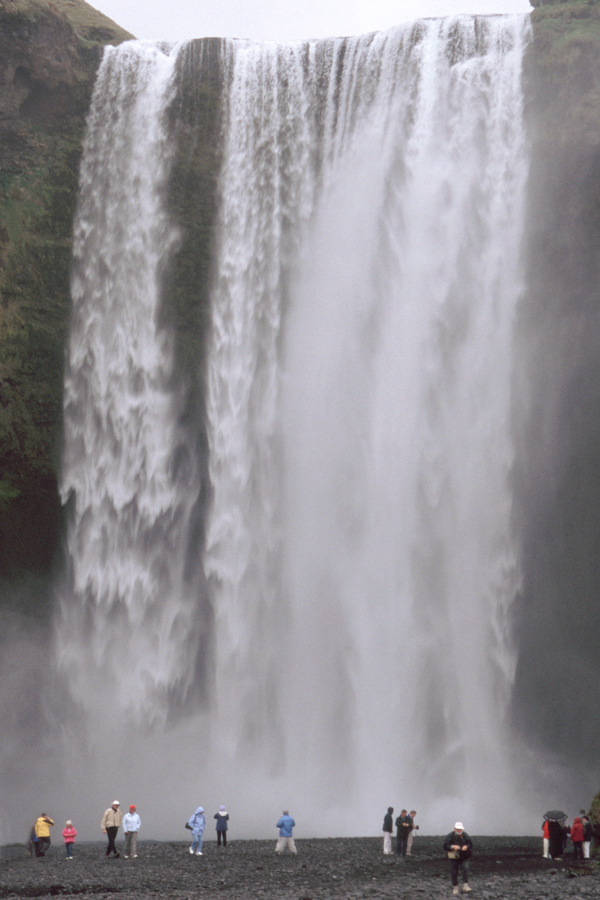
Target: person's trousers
{"x": 586, "y": 849}
{"x": 197, "y": 842}
{"x": 69, "y": 849}
{"x": 284, "y": 843}
{"x": 221, "y": 834}
{"x": 111, "y": 833}
{"x": 577, "y": 849}
{"x": 409, "y": 841}
{"x": 454, "y": 866}
{"x": 546, "y": 848}
{"x": 43, "y": 845}
{"x": 387, "y": 842}
{"x": 131, "y": 843}
{"x": 401, "y": 842}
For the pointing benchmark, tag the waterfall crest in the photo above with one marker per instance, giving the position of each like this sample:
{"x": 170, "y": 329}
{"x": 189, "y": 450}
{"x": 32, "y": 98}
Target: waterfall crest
{"x": 359, "y": 553}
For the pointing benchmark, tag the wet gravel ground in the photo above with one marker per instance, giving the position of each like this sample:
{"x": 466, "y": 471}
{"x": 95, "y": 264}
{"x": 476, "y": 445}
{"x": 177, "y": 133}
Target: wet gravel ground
{"x": 330, "y": 869}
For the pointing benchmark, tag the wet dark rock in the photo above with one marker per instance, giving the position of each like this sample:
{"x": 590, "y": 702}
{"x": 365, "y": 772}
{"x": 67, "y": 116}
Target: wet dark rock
{"x": 331, "y": 869}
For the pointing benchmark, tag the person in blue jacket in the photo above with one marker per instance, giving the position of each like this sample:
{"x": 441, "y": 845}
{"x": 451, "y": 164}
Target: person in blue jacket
{"x": 285, "y": 840}
{"x": 197, "y": 823}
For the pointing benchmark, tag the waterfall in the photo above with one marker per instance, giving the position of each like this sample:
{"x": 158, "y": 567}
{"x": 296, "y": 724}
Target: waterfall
{"x": 360, "y": 546}
{"x": 359, "y": 555}
{"x": 129, "y": 623}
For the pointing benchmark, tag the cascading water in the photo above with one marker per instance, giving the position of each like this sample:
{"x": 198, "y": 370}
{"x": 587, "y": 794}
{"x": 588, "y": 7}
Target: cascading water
{"x": 360, "y": 541}
{"x": 359, "y": 556}
{"x": 129, "y": 623}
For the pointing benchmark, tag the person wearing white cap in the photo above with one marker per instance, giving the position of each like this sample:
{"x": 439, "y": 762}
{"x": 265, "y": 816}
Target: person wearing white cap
{"x": 459, "y": 846}
{"x": 111, "y": 820}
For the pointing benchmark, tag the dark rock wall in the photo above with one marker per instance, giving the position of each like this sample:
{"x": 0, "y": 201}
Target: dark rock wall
{"x": 557, "y": 476}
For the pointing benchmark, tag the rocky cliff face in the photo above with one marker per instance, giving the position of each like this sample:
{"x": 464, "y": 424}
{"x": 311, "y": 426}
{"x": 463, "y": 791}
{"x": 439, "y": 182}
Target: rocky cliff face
{"x": 557, "y": 477}
{"x": 49, "y": 54}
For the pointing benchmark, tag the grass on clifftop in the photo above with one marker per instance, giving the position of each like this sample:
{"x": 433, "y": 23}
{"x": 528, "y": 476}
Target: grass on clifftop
{"x": 88, "y": 23}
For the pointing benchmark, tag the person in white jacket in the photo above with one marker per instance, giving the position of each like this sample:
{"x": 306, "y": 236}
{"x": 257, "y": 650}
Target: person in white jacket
{"x": 131, "y": 826}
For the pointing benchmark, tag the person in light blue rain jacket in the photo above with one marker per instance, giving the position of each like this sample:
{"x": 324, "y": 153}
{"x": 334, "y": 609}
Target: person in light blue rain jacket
{"x": 197, "y": 823}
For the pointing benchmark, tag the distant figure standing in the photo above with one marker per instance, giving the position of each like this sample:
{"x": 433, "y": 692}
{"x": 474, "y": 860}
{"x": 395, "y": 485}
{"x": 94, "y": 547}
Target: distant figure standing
{"x": 32, "y": 843}
{"x": 588, "y": 832}
{"x": 556, "y": 839}
{"x": 131, "y": 825}
{"x": 42, "y": 832}
{"x": 111, "y": 821}
{"x": 459, "y": 846}
{"x": 546, "y": 839}
{"x": 388, "y": 828}
{"x": 577, "y": 838}
{"x": 403, "y": 830}
{"x": 285, "y": 840}
{"x": 197, "y": 823}
{"x": 413, "y": 827}
{"x": 69, "y": 834}
{"x": 222, "y": 818}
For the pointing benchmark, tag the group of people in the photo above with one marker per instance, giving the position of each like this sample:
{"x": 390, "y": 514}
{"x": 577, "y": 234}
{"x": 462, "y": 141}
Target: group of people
{"x": 40, "y": 840}
{"x": 457, "y": 844}
{"x": 405, "y": 825}
{"x": 131, "y": 822}
{"x": 197, "y": 823}
{"x": 555, "y": 834}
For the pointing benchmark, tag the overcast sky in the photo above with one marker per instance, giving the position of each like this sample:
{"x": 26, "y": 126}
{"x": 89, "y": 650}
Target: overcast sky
{"x": 282, "y": 20}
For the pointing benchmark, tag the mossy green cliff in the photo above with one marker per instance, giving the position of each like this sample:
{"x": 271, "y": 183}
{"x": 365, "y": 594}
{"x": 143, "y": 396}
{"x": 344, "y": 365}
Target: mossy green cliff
{"x": 49, "y": 54}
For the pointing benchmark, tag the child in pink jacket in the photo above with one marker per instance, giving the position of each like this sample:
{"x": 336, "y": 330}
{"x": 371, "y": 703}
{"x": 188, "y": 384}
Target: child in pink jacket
{"x": 69, "y": 835}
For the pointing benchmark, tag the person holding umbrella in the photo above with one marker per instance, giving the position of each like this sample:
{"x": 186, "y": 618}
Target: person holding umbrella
{"x": 555, "y": 819}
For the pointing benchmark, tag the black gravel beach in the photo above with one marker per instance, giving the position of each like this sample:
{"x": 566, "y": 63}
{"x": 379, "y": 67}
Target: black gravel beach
{"x": 324, "y": 869}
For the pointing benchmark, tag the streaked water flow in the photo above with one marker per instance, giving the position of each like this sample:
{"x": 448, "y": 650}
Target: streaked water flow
{"x": 359, "y": 553}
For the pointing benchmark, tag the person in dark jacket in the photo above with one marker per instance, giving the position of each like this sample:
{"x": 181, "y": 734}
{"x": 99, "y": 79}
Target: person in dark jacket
{"x": 556, "y": 840}
{"x": 388, "y": 829}
{"x": 222, "y": 818}
{"x": 403, "y": 825}
{"x": 459, "y": 846}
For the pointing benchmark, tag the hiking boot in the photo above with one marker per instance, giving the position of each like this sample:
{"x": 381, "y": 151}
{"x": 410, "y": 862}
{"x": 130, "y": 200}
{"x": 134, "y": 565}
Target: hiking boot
{"x": 455, "y": 890}
{"x": 466, "y": 888}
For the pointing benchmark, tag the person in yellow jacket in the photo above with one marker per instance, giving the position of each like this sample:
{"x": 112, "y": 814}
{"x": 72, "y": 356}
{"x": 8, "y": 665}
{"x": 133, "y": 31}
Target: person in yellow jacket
{"x": 111, "y": 820}
{"x": 42, "y": 833}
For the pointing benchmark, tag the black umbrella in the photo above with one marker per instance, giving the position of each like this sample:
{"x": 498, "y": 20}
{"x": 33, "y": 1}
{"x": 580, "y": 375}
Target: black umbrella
{"x": 555, "y": 815}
